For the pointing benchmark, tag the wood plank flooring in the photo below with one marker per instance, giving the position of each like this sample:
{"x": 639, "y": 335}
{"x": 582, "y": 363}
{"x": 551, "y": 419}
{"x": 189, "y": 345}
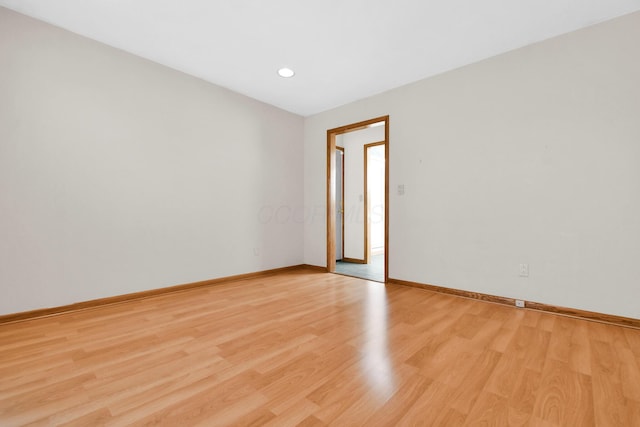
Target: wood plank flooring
{"x": 313, "y": 349}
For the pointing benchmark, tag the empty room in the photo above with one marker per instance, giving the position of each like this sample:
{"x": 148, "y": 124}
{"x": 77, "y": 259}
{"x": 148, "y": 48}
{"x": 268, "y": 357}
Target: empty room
{"x": 319, "y": 213}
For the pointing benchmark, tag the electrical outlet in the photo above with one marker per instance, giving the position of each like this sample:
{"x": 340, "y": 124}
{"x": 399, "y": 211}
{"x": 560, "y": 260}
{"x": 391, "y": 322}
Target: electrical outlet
{"x": 520, "y": 303}
{"x": 524, "y": 270}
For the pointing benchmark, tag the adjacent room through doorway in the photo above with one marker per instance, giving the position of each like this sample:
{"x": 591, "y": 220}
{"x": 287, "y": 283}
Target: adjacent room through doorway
{"x": 357, "y": 189}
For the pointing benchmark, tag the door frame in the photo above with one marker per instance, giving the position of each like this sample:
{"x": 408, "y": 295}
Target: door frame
{"x": 331, "y": 190}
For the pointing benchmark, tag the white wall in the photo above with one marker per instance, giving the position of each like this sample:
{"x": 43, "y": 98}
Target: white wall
{"x": 119, "y": 175}
{"x": 353, "y": 144}
{"x": 528, "y": 157}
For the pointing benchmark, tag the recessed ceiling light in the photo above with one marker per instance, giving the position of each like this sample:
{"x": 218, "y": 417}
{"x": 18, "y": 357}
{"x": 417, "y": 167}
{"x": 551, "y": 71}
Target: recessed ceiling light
{"x": 286, "y": 72}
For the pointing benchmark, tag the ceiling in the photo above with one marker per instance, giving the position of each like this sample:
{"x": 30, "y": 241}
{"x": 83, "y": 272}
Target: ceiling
{"x": 341, "y": 50}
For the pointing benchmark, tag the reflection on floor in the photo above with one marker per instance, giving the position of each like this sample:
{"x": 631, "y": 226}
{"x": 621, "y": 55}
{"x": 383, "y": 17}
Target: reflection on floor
{"x": 372, "y": 271}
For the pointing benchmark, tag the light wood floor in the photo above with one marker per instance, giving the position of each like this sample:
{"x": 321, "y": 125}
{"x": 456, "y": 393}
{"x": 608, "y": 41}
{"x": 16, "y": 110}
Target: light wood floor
{"x": 308, "y": 348}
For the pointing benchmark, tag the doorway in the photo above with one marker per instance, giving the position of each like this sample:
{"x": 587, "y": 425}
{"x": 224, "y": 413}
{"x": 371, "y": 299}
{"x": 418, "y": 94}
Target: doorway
{"x": 374, "y": 199}
{"x": 339, "y": 203}
{"x": 357, "y": 199}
